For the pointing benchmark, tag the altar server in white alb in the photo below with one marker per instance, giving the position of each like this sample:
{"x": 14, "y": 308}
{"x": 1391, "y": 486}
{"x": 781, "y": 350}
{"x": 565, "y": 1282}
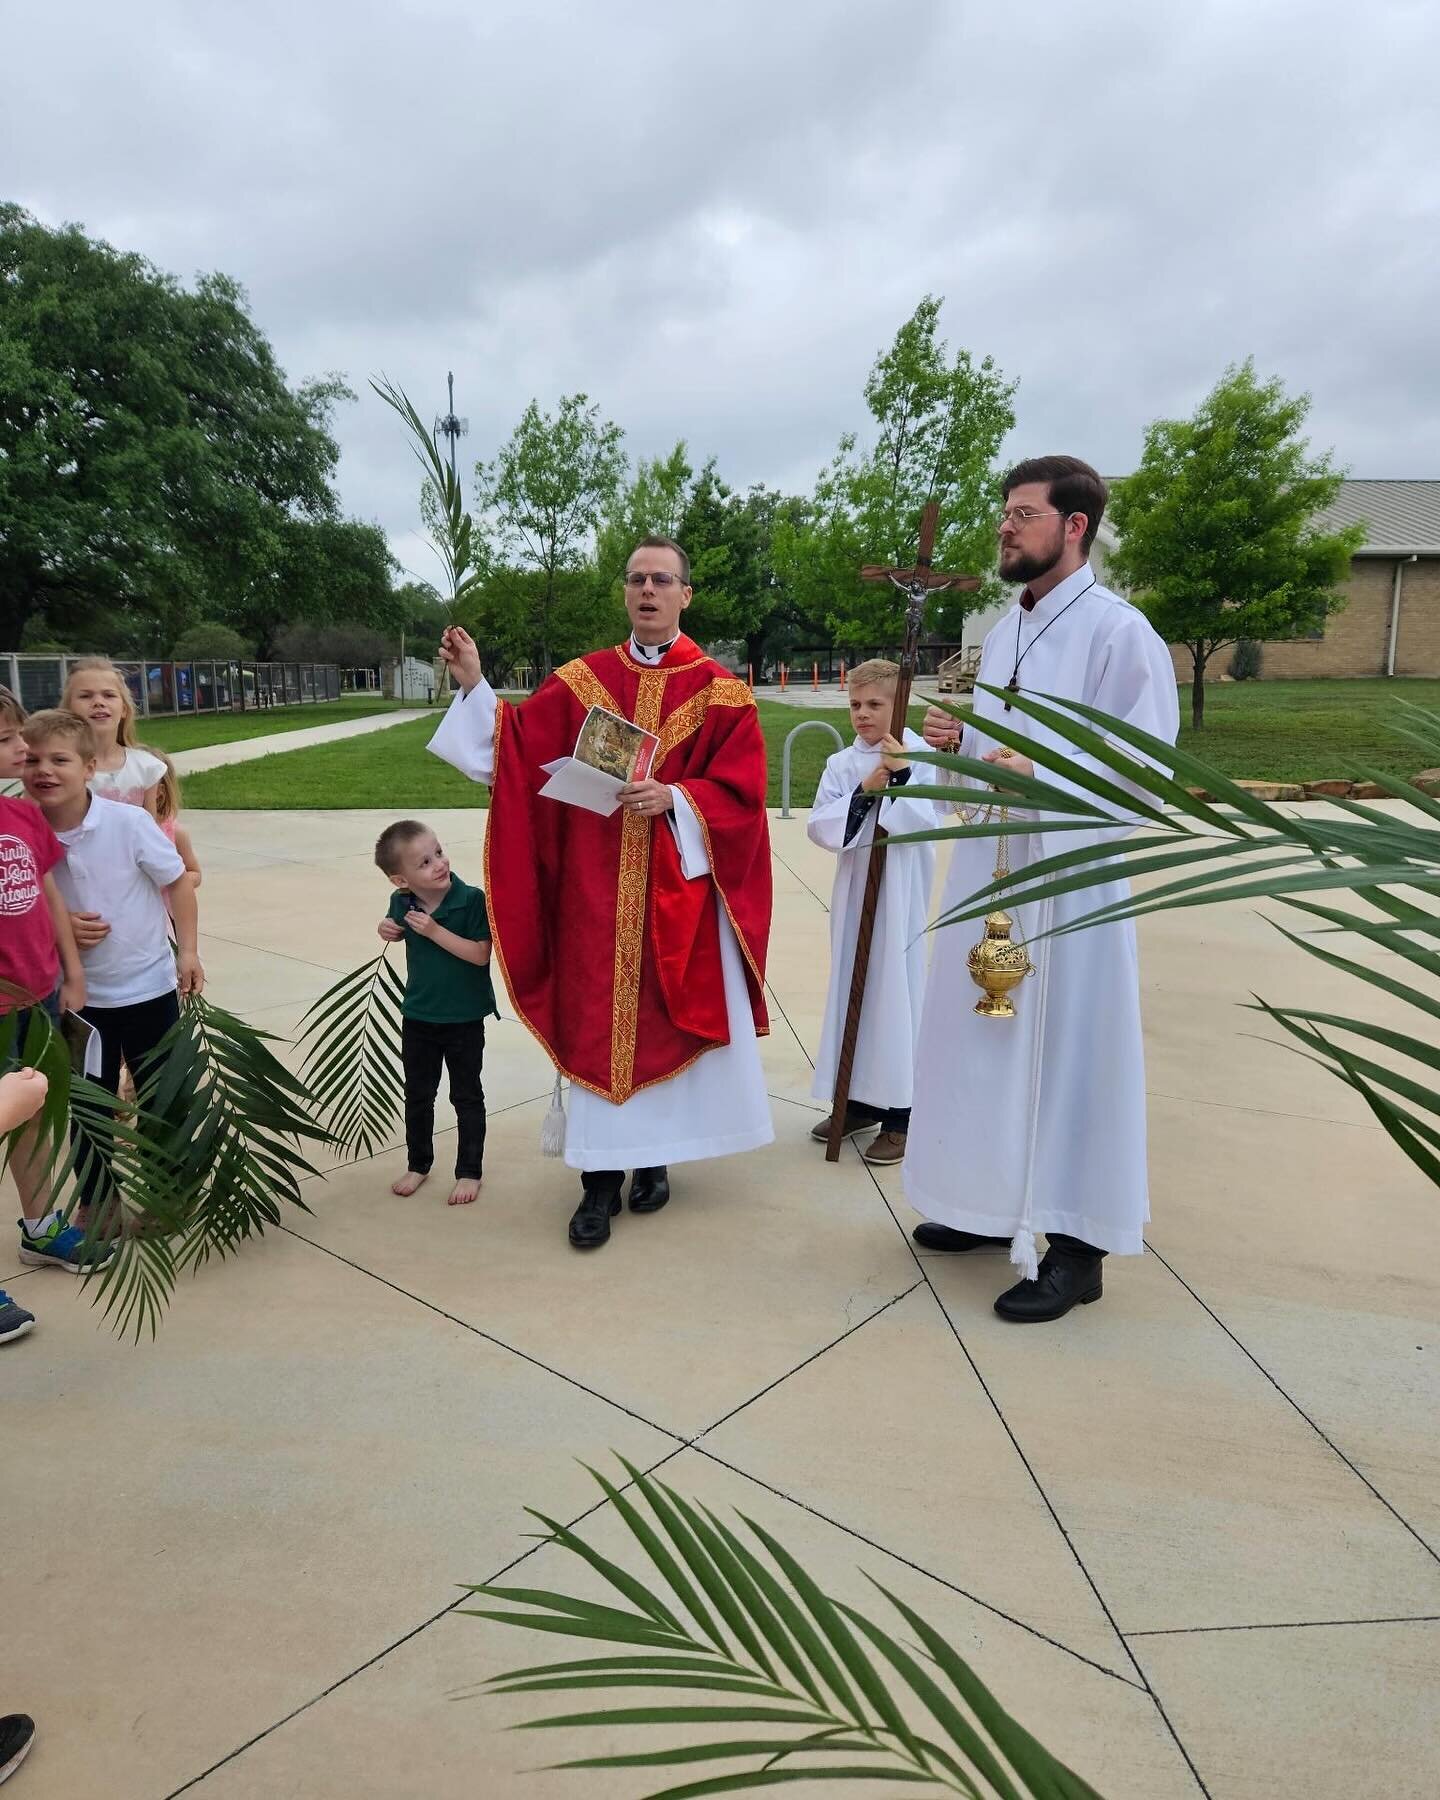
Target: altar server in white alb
{"x": 862, "y": 785}
{"x": 1036, "y": 1124}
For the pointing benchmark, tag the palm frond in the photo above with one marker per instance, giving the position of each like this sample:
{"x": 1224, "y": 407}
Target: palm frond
{"x": 727, "y": 1611}
{"x": 452, "y": 529}
{"x": 1235, "y": 847}
{"x": 205, "y": 1157}
{"x": 351, "y": 1068}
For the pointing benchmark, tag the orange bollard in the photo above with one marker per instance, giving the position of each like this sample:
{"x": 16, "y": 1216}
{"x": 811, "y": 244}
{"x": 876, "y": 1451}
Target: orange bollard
{"x": 842, "y": 678}
{"x": 815, "y": 677}
{"x": 751, "y": 676}
{"x": 784, "y": 677}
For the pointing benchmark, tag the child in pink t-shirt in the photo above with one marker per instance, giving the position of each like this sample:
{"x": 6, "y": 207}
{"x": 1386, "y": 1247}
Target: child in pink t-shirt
{"x": 40, "y": 968}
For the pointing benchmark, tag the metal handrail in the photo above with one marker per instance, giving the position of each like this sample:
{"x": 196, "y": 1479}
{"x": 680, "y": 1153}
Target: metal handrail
{"x": 804, "y": 725}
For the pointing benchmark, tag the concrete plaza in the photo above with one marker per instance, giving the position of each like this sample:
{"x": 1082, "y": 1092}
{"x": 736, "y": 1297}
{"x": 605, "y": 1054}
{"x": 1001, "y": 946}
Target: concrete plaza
{"x": 1188, "y": 1536}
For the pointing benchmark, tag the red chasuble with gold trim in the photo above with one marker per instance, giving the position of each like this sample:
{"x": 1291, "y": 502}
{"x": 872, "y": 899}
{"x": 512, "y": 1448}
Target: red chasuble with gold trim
{"x": 611, "y": 957}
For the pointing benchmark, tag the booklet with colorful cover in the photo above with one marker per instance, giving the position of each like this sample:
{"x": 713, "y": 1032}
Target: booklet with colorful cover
{"x": 615, "y": 746}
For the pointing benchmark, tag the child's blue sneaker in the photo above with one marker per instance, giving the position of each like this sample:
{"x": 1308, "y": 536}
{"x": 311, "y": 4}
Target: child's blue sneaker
{"x": 14, "y": 1320}
{"x": 62, "y": 1246}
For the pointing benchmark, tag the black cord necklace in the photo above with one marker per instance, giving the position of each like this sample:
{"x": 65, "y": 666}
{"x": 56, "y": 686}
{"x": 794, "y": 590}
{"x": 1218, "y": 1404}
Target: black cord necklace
{"x": 1012, "y": 686}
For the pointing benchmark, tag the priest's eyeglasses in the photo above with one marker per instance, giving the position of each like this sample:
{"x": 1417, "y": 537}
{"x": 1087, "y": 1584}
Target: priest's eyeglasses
{"x": 661, "y": 577}
{"x": 1020, "y": 516}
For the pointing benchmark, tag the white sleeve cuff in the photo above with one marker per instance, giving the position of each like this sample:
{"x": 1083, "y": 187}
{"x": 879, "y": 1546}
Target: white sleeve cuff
{"x": 465, "y": 737}
{"x": 694, "y": 857}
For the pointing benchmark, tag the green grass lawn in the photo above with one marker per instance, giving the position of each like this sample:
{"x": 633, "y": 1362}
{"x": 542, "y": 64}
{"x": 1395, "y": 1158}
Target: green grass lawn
{"x": 1277, "y": 730}
{"x": 191, "y": 731}
{"x": 1305, "y": 730}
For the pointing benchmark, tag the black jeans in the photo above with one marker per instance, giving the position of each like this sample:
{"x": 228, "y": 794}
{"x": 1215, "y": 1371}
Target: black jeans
{"x": 425, "y": 1048}
{"x": 128, "y": 1035}
{"x": 892, "y": 1118}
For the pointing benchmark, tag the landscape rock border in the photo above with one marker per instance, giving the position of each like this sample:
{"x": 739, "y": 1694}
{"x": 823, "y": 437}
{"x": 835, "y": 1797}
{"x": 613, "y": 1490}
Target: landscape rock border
{"x": 1340, "y": 788}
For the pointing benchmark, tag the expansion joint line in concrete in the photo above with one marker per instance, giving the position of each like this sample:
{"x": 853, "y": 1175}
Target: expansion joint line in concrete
{"x": 1287, "y": 1625}
{"x": 1048, "y": 1503}
{"x": 1291, "y": 1401}
{"x": 824, "y": 905}
{"x": 399, "y": 1642}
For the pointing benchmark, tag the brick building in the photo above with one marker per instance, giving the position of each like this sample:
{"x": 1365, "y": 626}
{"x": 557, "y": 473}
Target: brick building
{"x": 1391, "y": 621}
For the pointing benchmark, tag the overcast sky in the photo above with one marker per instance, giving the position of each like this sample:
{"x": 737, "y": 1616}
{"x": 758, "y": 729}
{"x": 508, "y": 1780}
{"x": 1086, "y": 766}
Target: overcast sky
{"x": 710, "y": 217}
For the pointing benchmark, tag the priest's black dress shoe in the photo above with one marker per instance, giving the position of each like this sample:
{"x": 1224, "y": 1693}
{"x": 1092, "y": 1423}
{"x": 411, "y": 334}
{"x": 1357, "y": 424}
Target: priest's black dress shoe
{"x": 1067, "y": 1278}
{"x": 649, "y": 1189}
{"x": 930, "y": 1236}
{"x": 590, "y": 1223}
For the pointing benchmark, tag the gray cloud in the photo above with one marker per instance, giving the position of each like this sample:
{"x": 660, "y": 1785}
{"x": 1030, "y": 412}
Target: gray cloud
{"x": 710, "y": 219}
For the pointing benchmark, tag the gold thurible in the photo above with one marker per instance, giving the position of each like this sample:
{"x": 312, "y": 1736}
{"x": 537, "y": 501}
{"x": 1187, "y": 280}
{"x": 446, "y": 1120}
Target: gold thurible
{"x": 997, "y": 964}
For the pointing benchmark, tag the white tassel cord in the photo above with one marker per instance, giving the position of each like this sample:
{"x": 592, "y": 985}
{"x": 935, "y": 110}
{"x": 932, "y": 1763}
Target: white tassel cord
{"x": 1022, "y": 1253}
{"x": 552, "y": 1132}
{"x": 1022, "y": 1245}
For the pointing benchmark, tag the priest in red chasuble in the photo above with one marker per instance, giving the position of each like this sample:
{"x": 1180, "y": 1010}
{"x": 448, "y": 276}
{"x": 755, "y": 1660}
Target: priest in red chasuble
{"x": 633, "y": 945}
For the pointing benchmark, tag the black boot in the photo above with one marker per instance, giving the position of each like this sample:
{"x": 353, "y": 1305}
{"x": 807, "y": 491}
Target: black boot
{"x": 649, "y": 1189}
{"x": 590, "y": 1225}
{"x": 1069, "y": 1276}
{"x": 930, "y": 1236}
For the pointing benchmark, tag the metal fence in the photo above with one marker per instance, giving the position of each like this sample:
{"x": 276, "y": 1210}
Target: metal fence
{"x": 179, "y": 687}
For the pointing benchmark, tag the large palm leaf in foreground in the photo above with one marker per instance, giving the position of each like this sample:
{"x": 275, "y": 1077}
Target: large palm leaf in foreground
{"x": 205, "y": 1158}
{"x": 1344, "y": 868}
{"x": 821, "y": 1693}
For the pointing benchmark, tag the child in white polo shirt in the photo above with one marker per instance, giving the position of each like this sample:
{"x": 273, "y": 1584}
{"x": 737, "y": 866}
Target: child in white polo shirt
{"x": 119, "y": 870}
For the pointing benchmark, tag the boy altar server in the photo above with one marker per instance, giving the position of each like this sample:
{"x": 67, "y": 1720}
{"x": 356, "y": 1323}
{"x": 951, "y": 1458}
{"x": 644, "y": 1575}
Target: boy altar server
{"x": 859, "y": 785}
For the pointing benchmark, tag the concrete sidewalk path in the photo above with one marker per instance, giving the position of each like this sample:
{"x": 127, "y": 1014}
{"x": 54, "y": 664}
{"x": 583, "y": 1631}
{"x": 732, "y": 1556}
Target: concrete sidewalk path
{"x": 215, "y": 756}
{"x": 1189, "y": 1536}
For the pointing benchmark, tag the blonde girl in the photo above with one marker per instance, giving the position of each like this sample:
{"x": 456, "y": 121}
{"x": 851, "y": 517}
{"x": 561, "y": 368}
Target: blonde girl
{"x": 124, "y": 769}
{"x": 167, "y": 817}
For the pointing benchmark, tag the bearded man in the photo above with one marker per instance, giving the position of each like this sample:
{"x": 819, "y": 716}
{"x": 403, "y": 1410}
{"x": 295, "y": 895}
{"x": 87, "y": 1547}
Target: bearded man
{"x": 1037, "y": 1123}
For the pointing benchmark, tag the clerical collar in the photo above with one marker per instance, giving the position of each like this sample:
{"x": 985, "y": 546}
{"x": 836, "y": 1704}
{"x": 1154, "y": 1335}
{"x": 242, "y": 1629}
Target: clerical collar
{"x": 650, "y": 653}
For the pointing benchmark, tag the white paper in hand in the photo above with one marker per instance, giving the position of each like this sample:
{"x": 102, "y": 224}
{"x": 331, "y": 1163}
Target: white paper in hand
{"x": 577, "y": 784}
{"x": 83, "y": 1042}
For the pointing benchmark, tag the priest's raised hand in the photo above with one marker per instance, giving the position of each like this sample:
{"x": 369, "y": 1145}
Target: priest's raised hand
{"x": 460, "y": 655}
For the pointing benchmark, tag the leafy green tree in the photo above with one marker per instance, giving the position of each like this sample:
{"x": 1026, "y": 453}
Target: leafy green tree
{"x": 548, "y": 491}
{"x": 1217, "y": 526}
{"x": 652, "y": 504}
{"x": 211, "y": 642}
{"x": 738, "y": 592}
{"x": 348, "y": 646}
{"x": 152, "y": 455}
{"x": 422, "y": 617}
{"x": 322, "y": 572}
{"x": 939, "y": 424}
{"x": 727, "y": 536}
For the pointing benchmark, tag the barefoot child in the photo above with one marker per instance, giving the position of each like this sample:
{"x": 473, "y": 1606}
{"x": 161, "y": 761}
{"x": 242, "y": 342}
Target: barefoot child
{"x": 869, "y": 779}
{"x": 448, "y": 996}
{"x": 95, "y": 690}
{"x": 38, "y": 955}
{"x": 118, "y": 872}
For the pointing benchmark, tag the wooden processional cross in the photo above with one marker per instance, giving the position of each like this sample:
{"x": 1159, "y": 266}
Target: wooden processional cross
{"x": 916, "y": 584}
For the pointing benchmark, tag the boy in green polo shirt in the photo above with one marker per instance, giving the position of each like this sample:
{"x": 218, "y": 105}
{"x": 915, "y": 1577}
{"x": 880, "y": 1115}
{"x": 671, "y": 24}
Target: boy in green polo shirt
{"x": 448, "y": 996}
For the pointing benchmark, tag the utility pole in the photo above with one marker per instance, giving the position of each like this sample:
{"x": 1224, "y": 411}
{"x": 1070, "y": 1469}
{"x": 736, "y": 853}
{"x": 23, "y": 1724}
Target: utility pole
{"x": 449, "y": 426}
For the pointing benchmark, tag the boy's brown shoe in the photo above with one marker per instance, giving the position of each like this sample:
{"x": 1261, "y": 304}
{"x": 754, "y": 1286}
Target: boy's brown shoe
{"x": 854, "y": 1125}
{"x": 889, "y": 1147}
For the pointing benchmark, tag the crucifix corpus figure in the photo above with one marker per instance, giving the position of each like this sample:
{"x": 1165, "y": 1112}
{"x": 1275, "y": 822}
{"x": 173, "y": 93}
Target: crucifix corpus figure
{"x": 852, "y": 820}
